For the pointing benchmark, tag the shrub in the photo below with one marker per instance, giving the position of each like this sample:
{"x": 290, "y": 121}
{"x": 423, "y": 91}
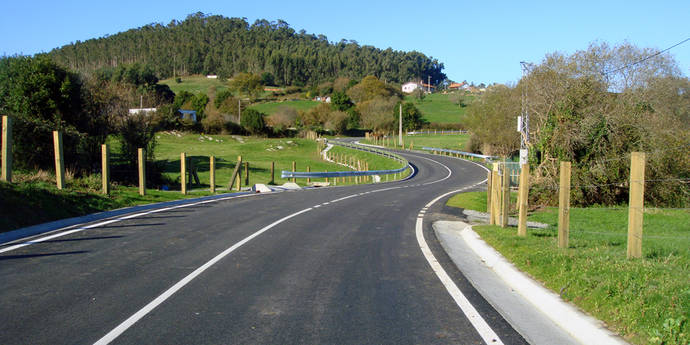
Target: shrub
{"x": 253, "y": 121}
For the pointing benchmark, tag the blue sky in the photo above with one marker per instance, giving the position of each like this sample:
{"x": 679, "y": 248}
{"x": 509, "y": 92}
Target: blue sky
{"x": 478, "y": 41}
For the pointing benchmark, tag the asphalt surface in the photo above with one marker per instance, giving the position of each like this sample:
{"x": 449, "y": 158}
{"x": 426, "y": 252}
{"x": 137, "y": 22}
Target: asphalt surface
{"x": 346, "y": 270}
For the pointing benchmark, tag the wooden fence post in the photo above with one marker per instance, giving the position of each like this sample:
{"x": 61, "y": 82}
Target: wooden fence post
{"x": 212, "y": 173}
{"x": 294, "y": 168}
{"x": 239, "y": 173}
{"x": 6, "y": 174}
{"x": 495, "y": 195}
{"x": 235, "y": 174}
{"x": 142, "y": 171}
{"x": 488, "y": 191}
{"x": 273, "y": 170}
{"x": 505, "y": 195}
{"x": 59, "y": 160}
{"x": 636, "y": 205}
{"x": 523, "y": 195}
{"x": 246, "y": 173}
{"x": 308, "y": 170}
{"x": 105, "y": 168}
{"x": 183, "y": 173}
{"x": 564, "y": 206}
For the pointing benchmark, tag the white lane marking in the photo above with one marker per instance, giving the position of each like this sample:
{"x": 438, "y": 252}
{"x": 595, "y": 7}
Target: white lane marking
{"x": 483, "y": 328}
{"x": 179, "y": 285}
{"x": 115, "y": 220}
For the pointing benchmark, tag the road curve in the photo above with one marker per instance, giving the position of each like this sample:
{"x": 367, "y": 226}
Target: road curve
{"x": 339, "y": 265}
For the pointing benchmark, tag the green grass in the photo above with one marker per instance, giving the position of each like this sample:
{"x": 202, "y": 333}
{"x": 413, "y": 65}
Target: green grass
{"x": 269, "y": 108}
{"x": 439, "y": 108}
{"x": 447, "y": 141}
{"x": 646, "y": 300}
{"x": 194, "y": 84}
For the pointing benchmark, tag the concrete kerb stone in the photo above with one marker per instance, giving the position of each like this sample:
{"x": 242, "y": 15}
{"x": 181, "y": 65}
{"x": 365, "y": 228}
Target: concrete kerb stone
{"x": 525, "y": 303}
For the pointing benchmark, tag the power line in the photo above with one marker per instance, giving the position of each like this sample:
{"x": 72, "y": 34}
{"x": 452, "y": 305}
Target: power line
{"x": 647, "y": 58}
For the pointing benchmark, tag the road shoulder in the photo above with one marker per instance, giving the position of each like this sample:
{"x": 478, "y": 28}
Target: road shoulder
{"x": 538, "y": 314}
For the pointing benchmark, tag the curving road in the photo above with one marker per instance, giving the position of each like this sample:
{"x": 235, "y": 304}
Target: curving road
{"x": 342, "y": 265}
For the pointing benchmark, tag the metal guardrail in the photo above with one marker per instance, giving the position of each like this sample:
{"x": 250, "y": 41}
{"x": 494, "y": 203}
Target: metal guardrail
{"x": 301, "y": 174}
{"x": 437, "y": 132}
{"x": 475, "y": 155}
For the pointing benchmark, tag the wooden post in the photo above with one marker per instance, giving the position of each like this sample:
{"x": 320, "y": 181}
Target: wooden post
{"x": 495, "y": 195}
{"x": 523, "y": 195}
{"x": 142, "y": 172}
{"x": 105, "y": 168}
{"x": 505, "y": 197}
{"x": 308, "y": 178}
{"x": 246, "y": 173}
{"x": 235, "y": 174}
{"x": 183, "y": 173}
{"x": 273, "y": 170}
{"x": 294, "y": 168}
{"x": 564, "y": 206}
{"x": 489, "y": 176}
{"x": 59, "y": 160}
{"x": 212, "y": 173}
{"x": 636, "y": 205}
{"x": 326, "y": 176}
{"x": 6, "y": 174}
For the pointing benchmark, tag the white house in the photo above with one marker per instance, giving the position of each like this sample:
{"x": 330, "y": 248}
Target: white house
{"x": 410, "y": 87}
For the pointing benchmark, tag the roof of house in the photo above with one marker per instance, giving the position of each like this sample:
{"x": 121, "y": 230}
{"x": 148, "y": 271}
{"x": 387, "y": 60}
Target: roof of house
{"x": 183, "y": 111}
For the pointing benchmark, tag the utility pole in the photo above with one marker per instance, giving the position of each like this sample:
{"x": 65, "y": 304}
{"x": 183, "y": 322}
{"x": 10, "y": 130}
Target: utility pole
{"x": 400, "y": 140}
{"x": 523, "y": 119}
{"x": 428, "y": 84}
{"x": 239, "y": 112}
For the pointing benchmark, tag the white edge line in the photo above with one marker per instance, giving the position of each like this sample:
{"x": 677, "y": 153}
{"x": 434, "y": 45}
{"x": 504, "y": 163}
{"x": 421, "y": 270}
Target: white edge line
{"x": 121, "y": 328}
{"x": 483, "y": 328}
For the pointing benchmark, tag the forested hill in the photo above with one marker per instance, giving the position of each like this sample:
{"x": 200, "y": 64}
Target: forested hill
{"x": 203, "y": 44}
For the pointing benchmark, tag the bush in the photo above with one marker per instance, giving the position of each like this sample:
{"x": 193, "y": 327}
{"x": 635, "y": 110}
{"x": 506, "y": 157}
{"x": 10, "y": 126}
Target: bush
{"x": 253, "y": 121}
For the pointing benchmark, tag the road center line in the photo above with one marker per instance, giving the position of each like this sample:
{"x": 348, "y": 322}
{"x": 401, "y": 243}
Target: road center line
{"x": 186, "y": 280}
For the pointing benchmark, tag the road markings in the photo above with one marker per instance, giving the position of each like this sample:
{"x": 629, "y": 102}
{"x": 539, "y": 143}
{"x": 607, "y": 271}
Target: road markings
{"x": 179, "y": 285}
{"x": 63, "y": 232}
{"x": 483, "y": 328}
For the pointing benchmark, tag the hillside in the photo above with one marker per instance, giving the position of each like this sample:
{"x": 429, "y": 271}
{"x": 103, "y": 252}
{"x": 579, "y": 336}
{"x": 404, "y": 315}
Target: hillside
{"x": 204, "y": 44}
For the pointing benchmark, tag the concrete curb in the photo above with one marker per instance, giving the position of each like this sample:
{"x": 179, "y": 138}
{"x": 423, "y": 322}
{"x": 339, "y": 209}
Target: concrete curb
{"x": 582, "y": 327}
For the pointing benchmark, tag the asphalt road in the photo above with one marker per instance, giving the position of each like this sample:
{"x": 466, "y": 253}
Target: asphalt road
{"x": 335, "y": 265}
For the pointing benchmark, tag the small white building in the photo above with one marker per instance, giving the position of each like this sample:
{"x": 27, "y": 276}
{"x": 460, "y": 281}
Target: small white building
{"x": 410, "y": 87}
{"x": 141, "y": 110}
{"x": 212, "y": 76}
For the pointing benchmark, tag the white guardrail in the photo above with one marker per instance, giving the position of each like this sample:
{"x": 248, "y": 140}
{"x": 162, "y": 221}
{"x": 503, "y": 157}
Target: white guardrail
{"x": 302, "y": 174}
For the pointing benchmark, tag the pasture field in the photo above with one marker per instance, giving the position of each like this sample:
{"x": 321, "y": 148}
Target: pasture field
{"x": 269, "y": 108}
{"x": 441, "y": 108}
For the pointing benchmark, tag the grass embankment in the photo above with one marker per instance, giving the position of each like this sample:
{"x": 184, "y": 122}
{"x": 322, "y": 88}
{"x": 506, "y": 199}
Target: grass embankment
{"x": 446, "y": 141}
{"x": 34, "y": 199}
{"x": 645, "y": 300}
{"x": 441, "y": 108}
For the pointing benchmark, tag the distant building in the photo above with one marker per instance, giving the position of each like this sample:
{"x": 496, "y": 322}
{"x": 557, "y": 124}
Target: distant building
{"x": 141, "y": 110}
{"x": 212, "y": 76}
{"x": 188, "y": 114}
{"x": 410, "y": 87}
{"x": 456, "y": 86}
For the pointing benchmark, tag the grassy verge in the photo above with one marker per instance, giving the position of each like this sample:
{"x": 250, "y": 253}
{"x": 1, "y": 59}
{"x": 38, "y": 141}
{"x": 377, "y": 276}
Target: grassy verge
{"x": 450, "y": 141}
{"x": 31, "y": 203}
{"x": 646, "y": 300}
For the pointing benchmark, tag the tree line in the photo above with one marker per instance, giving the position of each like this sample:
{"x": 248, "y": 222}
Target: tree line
{"x": 212, "y": 44}
{"x": 593, "y": 108}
